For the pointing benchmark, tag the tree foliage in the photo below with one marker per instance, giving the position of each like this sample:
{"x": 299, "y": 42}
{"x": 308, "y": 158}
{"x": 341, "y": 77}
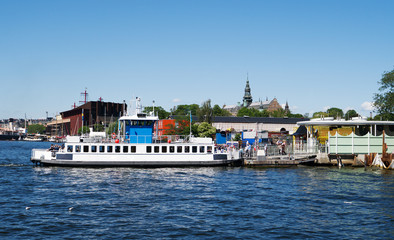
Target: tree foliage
{"x": 36, "y": 128}
{"x": 384, "y": 100}
{"x": 205, "y": 112}
{"x": 112, "y": 128}
{"x": 159, "y": 111}
{"x": 98, "y": 127}
{"x": 218, "y": 111}
{"x": 320, "y": 115}
{"x": 335, "y": 112}
{"x": 183, "y": 110}
{"x": 83, "y": 130}
{"x": 206, "y": 130}
{"x": 350, "y": 114}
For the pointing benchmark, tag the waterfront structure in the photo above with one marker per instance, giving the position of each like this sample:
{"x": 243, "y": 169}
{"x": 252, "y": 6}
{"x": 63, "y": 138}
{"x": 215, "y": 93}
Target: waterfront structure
{"x": 365, "y": 139}
{"x": 135, "y": 144}
{"x": 242, "y": 124}
{"x": 88, "y": 114}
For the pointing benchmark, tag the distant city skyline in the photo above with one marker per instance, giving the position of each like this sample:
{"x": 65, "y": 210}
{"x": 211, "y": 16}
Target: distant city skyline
{"x": 313, "y": 54}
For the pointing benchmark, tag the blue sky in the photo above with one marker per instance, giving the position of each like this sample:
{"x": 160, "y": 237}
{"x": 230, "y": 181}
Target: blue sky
{"x": 313, "y": 54}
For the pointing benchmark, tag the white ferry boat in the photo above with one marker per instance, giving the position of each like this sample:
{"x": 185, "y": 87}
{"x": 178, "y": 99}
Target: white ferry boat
{"x": 137, "y": 146}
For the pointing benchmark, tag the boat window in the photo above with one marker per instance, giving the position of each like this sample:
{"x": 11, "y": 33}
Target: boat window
{"x": 202, "y": 149}
{"x": 172, "y": 149}
{"x": 194, "y": 149}
{"x": 85, "y": 148}
{"x": 101, "y": 148}
{"x": 187, "y": 149}
{"x": 69, "y": 148}
{"x": 157, "y": 149}
{"x": 117, "y": 149}
{"x": 78, "y": 148}
{"x": 94, "y": 148}
{"x": 125, "y": 149}
{"x": 133, "y": 149}
{"x": 209, "y": 149}
{"x": 109, "y": 149}
{"x": 148, "y": 149}
{"x": 164, "y": 149}
{"x": 179, "y": 149}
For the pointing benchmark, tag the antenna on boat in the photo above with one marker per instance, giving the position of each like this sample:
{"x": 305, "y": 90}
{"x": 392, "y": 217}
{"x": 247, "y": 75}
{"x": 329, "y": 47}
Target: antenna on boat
{"x": 153, "y": 107}
{"x": 138, "y": 105}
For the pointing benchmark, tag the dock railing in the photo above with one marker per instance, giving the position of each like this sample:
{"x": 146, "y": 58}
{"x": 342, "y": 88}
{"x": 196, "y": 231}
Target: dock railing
{"x": 279, "y": 150}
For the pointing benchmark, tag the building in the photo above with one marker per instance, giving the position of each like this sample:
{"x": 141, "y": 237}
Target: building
{"x": 260, "y": 105}
{"x": 88, "y": 114}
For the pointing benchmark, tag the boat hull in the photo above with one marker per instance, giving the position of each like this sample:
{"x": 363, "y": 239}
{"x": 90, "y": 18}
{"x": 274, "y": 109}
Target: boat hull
{"x": 48, "y": 158}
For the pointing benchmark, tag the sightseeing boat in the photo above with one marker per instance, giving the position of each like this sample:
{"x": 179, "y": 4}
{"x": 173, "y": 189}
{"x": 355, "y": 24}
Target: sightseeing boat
{"x": 136, "y": 145}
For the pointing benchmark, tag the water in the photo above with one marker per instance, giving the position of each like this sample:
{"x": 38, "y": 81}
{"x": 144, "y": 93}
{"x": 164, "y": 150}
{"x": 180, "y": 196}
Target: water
{"x": 190, "y": 203}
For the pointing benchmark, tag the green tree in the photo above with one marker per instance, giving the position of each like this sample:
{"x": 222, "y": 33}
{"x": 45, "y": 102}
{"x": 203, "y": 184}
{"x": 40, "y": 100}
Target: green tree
{"x": 320, "y": 114}
{"x": 350, "y": 114}
{"x": 218, "y": 111}
{"x": 84, "y": 130}
{"x": 335, "y": 112}
{"x": 183, "y": 110}
{"x": 206, "y": 130}
{"x": 36, "y": 128}
{"x": 237, "y": 137}
{"x": 159, "y": 111}
{"x": 384, "y": 100}
{"x": 205, "y": 112}
{"x": 98, "y": 127}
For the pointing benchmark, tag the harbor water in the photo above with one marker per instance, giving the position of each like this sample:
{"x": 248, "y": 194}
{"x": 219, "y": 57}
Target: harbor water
{"x": 190, "y": 203}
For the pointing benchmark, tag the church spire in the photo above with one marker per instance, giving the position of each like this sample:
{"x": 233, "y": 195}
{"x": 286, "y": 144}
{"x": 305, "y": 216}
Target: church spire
{"x": 247, "y": 100}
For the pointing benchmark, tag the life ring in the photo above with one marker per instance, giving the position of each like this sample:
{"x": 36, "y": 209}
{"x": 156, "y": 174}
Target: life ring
{"x": 113, "y": 135}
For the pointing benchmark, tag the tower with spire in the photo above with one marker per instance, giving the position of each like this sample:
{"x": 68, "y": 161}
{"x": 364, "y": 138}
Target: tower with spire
{"x": 247, "y": 100}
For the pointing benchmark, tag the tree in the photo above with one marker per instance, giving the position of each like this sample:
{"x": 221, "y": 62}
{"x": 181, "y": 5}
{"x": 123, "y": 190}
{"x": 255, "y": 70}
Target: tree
{"x": 384, "y": 100}
{"x": 161, "y": 113}
{"x": 335, "y": 112}
{"x": 183, "y": 110}
{"x": 206, "y": 130}
{"x": 98, "y": 127}
{"x": 218, "y": 111}
{"x": 320, "y": 114}
{"x": 36, "y": 128}
{"x": 83, "y": 130}
{"x": 350, "y": 114}
{"x": 205, "y": 112}
{"x": 112, "y": 128}
{"x": 237, "y": 137}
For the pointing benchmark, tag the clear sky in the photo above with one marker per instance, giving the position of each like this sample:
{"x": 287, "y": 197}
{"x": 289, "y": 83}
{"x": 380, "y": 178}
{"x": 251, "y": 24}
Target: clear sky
{"x": 314, "y": 54}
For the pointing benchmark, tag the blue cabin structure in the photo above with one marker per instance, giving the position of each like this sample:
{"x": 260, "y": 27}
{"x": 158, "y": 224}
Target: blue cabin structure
{"x": 138, "y": 128}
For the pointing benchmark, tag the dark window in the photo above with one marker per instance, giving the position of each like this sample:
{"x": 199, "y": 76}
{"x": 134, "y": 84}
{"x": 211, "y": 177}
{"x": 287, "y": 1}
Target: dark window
{"x": 202, "y": 149}
{"x": 187, "y": 149}
{"x": 172, "y": 149}
{"x": 109, "y": 149}
{"x": 69, "y": 148}
{"x": 117, "y": 149}
{"x": 157, "y": 149}
{"x": 194, "y": 149}
{"x": 148, "y": 149}
{"x": 209, "y": 149}
{"x": 101, "y": 148}
{"x": 125, "y": 149}
{"x": 179, "y": 149}
{"x": 94, "y": 148}
{"x": 85, "y": 148}
{"x": 78, "y": 148}
{"x": 164, "y": 149}
{"x": 133, "y": 149}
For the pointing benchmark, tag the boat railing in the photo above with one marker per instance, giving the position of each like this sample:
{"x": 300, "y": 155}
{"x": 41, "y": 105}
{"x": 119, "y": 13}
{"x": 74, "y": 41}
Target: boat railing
{"x": 149, "y": 139}
{"x": 289, "y": 149}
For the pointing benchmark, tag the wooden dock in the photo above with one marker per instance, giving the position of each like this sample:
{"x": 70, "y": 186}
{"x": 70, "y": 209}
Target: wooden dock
{"x": 280, "y": 161}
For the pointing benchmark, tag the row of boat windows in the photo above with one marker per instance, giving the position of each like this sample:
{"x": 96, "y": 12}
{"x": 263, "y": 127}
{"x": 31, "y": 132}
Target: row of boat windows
{"x": 133, "y": 149}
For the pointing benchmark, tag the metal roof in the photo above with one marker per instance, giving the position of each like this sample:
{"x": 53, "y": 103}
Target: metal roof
{"x": 318, "y": 122}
